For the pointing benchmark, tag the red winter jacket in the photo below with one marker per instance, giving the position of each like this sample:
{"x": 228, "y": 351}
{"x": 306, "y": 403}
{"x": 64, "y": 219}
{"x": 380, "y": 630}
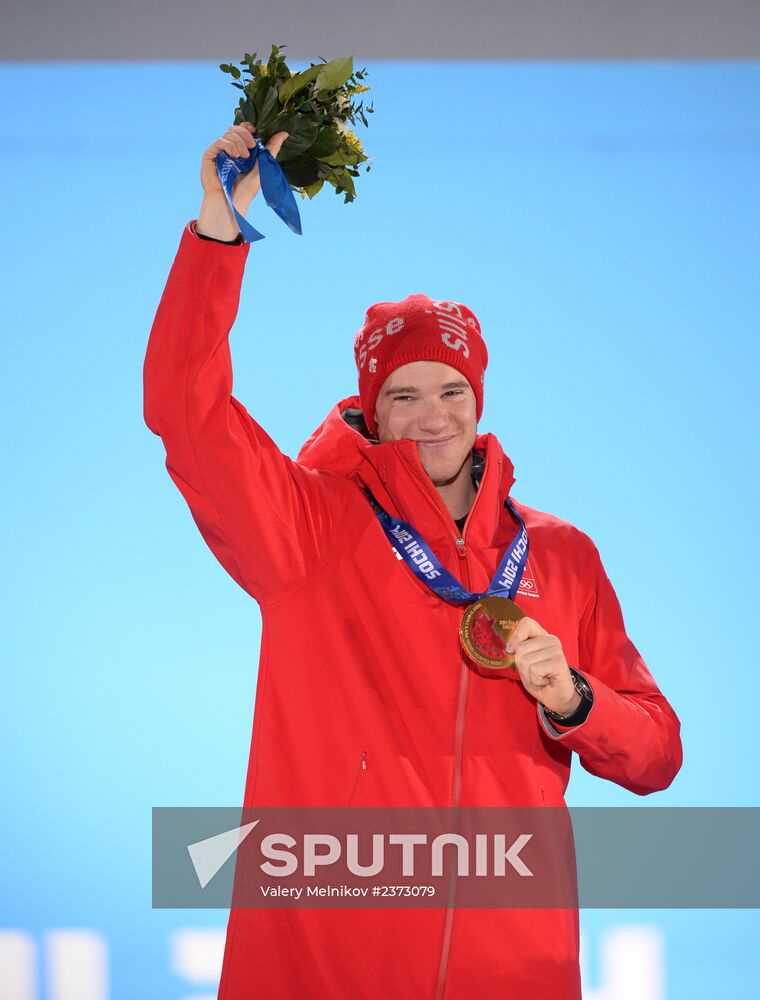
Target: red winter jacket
{"x": 384, "y": 709}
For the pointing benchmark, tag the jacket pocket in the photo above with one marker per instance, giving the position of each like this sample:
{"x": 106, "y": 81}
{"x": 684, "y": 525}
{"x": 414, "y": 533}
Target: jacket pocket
{"x": 356, "y": 786}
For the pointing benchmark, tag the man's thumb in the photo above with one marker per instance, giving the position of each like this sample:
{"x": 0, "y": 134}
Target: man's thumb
{"x": 275, "y": 143}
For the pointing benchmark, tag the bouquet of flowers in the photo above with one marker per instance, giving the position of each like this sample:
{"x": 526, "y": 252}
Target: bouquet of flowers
{"x": 316, "y": 107}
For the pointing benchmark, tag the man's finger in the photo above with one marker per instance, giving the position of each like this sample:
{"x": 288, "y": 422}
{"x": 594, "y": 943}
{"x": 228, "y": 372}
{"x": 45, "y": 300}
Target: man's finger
{"x": 538, "y": 671}
{"x": 244, "y": 134}
{"x": 538, "y": 643}
{"x": 232, "y": 147}
{"x": 526, "y": 628}
{"x": 546, "y": 657}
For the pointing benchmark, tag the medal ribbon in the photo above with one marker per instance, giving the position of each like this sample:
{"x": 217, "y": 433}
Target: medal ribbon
{"x": 424, "y": 563}
{"x": 274, "y": 187}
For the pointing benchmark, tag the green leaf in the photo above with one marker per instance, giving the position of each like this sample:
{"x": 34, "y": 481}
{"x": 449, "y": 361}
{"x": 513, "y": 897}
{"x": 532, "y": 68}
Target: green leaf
{"x": 235, "y": 72}
{"x": 282, "y": 73}
{"x": 300, "y": 171}
{"x": 249, "y": 113}
{"x": 263, "y": 86}
{"x": 297, "y": 82}
{"x": 275, "y": 59}
{"x": 342, "y": 157}
{"x": 302, "y": 132}
{"x": 336, "y": 159}
{"x": 335, "y": 73}
{"x": 315, "y": 188}
{"x": 326, "y": 142}
{"x": 268, "y": 108}
{"x": 348, "y": 184}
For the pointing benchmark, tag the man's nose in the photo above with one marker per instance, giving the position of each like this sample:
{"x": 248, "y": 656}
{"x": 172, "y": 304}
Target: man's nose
{"x": 433, "y": 416}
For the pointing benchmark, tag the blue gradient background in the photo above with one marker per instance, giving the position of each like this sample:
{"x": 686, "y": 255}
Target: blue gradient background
{"x": 602, "y": 221}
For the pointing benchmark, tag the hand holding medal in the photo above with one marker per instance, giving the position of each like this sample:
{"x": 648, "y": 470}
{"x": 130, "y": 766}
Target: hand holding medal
{"x": 542, "y": 666}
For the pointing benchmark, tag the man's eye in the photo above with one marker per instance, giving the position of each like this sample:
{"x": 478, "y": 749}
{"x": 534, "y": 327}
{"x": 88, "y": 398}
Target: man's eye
{"x": 453, "y": 392}
{"x": 396, "y": 398}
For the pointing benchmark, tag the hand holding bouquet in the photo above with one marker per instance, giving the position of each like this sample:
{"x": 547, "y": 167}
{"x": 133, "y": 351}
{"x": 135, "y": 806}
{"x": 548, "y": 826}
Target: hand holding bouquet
{"x": 316, "y": 107}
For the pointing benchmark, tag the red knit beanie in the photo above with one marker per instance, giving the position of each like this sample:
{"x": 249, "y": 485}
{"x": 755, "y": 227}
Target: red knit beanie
{"x": 417, "y": 329}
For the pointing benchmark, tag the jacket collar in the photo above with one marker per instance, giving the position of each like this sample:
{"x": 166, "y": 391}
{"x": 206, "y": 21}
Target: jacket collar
{"x": 393, "y": 472}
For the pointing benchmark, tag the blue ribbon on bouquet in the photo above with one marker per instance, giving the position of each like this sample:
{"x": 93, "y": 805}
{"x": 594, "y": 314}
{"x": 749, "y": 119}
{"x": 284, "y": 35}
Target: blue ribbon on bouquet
{"x": 274, "y": 187}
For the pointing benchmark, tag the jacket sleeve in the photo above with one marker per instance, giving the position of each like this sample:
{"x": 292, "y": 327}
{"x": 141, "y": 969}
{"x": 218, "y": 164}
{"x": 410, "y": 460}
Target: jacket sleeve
{"x": 631, "y": 735}
{"x": 267, "y": 519}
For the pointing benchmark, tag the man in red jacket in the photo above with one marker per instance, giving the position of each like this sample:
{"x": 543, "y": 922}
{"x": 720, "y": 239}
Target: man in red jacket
{"x": 364, "y": 552}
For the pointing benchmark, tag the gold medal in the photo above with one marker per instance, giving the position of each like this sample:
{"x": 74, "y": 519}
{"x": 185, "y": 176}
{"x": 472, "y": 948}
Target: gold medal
{"x": 485, "y": 630}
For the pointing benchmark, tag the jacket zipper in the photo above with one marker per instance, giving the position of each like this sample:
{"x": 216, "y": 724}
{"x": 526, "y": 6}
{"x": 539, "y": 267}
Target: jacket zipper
{"x": 420, "y": 475}
{"x": 456, "y": 790}
{"x": 463, "y": 545}
{"x": 456, "y": 785}
{"x": 459, "y": 540}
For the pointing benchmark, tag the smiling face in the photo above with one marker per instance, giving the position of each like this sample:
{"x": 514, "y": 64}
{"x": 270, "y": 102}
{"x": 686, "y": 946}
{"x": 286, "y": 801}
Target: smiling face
{"x": 434, "y": 405}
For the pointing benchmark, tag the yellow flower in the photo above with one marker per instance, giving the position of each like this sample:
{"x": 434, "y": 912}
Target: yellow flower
{"x": 353, "y": 141}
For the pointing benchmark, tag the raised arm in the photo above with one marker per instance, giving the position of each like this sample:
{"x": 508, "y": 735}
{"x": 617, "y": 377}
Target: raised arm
{"x": 267, "y": 519}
